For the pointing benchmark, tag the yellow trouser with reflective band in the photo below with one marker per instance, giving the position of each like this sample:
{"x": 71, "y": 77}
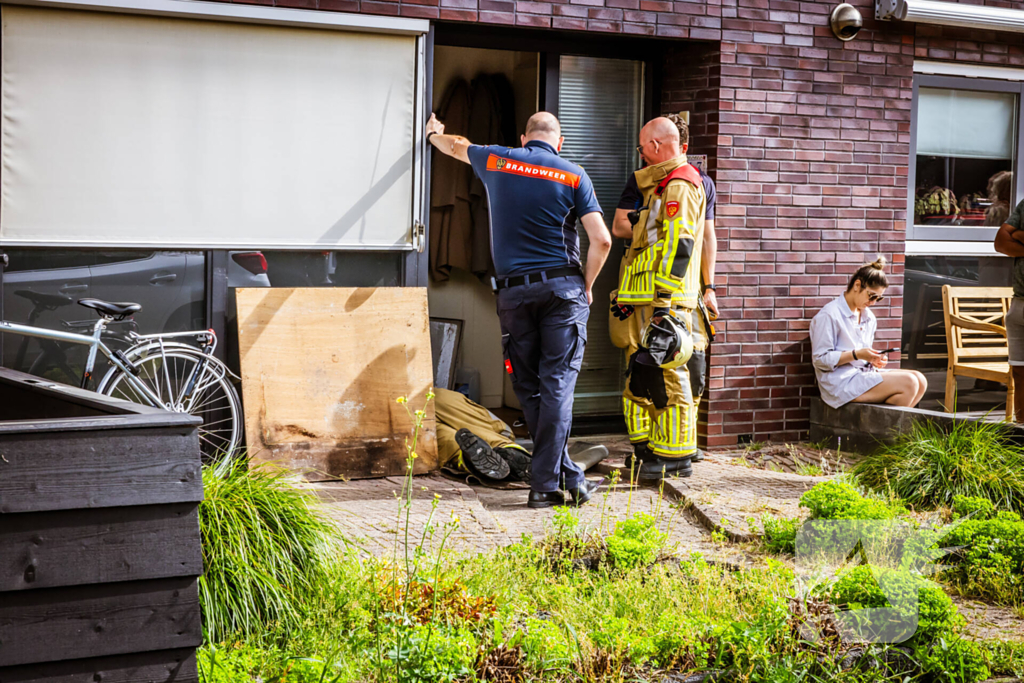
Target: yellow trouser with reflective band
{"x": 672, "y": 431}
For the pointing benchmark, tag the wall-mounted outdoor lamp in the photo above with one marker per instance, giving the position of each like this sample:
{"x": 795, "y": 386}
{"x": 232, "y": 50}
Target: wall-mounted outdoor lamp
{"x": 846, "y": 21}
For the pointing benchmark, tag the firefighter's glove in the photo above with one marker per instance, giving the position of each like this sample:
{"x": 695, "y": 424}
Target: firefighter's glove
{"x": 659, "y": 313}
{"x": 621, "y": 311}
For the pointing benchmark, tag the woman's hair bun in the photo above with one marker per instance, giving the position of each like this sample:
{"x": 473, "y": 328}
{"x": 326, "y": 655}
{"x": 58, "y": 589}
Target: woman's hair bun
{"x": 879, "y": 263}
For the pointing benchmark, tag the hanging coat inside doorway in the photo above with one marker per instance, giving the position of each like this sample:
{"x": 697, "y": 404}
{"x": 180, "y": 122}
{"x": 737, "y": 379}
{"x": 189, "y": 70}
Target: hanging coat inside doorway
{"x": 460, "y": 234}
{"x": 451, "y": 217}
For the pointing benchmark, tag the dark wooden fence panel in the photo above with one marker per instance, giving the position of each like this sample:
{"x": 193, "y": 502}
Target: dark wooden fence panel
{"x": 99, "y": 538}
{"x": 164, "y": 666}
{"x": 100, "y": 468}
{"x": 92, "y": 621}
{"x": 73, "y": 547}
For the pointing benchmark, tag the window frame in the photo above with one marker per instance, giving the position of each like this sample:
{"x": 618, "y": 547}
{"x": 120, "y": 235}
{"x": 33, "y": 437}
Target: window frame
{"x": 960, "y": 233}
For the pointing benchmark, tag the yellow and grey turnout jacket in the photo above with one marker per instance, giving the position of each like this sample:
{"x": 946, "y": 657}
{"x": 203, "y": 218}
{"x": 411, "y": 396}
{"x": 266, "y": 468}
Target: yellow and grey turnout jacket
{"x": 663, "y": 263}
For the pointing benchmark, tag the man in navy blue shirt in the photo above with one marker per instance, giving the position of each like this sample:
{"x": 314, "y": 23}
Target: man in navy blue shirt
{"x": 535, "y": 198}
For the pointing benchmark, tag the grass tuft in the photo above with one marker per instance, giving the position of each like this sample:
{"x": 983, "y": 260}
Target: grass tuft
{"x": 928, "y": 466}
{"x": 265, "y": 547}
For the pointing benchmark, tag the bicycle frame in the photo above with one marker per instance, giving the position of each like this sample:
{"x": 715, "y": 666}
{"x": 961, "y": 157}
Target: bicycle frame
{"x": 95, "y": 343}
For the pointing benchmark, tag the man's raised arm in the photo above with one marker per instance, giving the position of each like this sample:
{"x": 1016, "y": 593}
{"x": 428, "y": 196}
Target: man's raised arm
{"x": 452, "y": 145}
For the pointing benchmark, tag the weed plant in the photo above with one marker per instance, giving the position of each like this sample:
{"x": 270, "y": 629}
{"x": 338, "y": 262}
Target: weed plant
{"x": 265, "y": 548}
{"x": 931, "y": 464}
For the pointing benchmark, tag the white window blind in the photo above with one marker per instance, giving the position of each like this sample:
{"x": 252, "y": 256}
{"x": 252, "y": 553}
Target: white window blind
{"x": 153, "y": 131}
{"x": 965, "y": 123}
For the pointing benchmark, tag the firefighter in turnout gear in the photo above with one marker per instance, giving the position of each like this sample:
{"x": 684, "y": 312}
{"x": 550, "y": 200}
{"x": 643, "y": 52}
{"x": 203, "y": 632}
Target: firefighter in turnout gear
{"x": 661, "y": 279}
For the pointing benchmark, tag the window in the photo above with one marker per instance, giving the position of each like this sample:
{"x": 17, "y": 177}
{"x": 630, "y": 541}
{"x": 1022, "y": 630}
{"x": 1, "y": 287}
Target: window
{"x": 963, "y": 180}
{"x": 924, "y": 330}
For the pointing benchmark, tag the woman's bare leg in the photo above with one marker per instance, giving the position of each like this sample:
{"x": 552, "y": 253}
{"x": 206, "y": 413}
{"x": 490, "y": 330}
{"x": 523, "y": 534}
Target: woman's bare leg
{"x": 923, "y": 381}
{"x": 897, "y": 388}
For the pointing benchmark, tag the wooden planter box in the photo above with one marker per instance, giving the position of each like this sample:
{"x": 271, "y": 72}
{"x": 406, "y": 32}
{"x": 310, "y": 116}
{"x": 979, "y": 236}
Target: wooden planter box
{"x": 99, "y": 537}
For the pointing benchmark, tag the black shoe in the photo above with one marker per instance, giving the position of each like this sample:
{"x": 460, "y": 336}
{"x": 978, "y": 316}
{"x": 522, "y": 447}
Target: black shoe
{"x": 519, "y": 462}
{"x": 698, "y": 456}
{"x": 582, "y": 493}
{"x": 542, "y": 499}
{"x": 479, "y": 457}
{"x": 656, "y": 468}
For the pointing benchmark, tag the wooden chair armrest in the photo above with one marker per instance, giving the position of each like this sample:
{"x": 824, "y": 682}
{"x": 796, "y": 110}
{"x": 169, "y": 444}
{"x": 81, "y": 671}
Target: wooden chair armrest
{"x": 957, "y": 321}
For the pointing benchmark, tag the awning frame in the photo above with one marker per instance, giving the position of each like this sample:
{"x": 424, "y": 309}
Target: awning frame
{"x": 250, "y": 14}
{"x": 942, "y": 13}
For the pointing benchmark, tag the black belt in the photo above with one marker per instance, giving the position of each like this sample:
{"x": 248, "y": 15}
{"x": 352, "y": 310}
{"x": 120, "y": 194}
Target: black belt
{"x": 505, "y": 282}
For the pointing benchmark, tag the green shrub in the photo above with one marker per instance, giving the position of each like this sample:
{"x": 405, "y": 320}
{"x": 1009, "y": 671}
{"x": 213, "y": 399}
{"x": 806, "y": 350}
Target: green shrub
{"x": 977, "y": 508}
{"x": 929, "y": 466}
{"x": 954, "y": 661}
{"x": 636, "y": 542}
{"x": 620, "y": 638}
{"x": 990, "y": 559}
{"x": 681, "y": 640}
{"x": 841, "y": 500}
{"x": 779, "y": 533}
{"x": 936, "y": 615}
{"x": 545, "y": 645}
{"x": 265, "y": 546}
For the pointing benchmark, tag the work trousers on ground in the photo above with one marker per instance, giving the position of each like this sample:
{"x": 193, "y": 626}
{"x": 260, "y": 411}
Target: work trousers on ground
{"x": 665, "y": 414}
{"x": 543, "y": 336}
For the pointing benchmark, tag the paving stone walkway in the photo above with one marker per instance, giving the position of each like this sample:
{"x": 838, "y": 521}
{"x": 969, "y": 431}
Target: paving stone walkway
{"x": 367, "y": 512}
{"x": 720, "y": 495}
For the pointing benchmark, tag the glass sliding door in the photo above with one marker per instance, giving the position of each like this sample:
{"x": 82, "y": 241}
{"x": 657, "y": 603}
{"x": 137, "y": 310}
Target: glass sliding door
{"x": 600, "y": 106}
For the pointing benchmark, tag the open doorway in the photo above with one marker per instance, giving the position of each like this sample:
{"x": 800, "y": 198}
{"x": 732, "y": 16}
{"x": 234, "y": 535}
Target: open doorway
{"x": 600, "y": 102}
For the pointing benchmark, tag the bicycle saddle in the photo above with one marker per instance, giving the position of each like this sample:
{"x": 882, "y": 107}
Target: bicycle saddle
{"x": 116, "y": 310}
{"x": 47, "y": 302}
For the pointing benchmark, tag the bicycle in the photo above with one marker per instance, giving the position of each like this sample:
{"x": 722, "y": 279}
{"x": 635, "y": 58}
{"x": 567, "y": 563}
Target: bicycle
{"x": 157, "y": 370}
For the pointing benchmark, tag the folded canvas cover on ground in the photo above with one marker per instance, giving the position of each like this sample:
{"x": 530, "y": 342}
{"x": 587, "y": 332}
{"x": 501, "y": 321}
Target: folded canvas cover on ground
{"x": 131, "y": 130}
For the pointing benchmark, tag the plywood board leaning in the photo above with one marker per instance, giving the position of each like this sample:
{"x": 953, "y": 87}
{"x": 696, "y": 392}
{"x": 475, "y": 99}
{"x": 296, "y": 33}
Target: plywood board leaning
{"x": 321, "y": 371}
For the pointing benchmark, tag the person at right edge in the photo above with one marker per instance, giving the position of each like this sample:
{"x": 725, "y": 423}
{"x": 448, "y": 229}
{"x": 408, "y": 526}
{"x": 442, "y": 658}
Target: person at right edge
{"x": 1010, "y": 241}
{"x": 659, "y": 293}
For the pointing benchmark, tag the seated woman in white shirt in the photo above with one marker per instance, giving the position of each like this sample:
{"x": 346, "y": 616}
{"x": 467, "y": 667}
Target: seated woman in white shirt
{"x": 842, "y": 337}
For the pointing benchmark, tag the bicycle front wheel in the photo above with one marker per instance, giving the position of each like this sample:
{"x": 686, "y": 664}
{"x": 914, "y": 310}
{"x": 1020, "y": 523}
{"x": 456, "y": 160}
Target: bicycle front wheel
{"x": 170, "y": 373}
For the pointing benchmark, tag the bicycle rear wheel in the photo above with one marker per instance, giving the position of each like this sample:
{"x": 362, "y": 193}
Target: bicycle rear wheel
{"x": 167, "y": 374}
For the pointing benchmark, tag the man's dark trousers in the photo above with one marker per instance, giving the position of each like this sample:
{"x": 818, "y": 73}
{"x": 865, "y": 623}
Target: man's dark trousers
{"x": 543, "y": 336}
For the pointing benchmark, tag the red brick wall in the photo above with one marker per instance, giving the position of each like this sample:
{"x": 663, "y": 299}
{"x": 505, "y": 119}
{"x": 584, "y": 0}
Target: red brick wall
{"x": 812, "y": 140}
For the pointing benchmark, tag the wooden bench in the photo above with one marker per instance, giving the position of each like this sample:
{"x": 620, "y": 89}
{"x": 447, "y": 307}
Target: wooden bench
{"x": 975, "y": 320}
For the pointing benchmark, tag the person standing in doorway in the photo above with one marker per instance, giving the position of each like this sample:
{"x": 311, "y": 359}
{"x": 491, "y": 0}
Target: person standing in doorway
{"x": 544, "y": 294}
{"x": 702, "y": 308}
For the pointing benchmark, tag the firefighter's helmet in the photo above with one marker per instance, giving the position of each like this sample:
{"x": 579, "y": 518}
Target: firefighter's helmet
{"x": 668, "y": 341}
